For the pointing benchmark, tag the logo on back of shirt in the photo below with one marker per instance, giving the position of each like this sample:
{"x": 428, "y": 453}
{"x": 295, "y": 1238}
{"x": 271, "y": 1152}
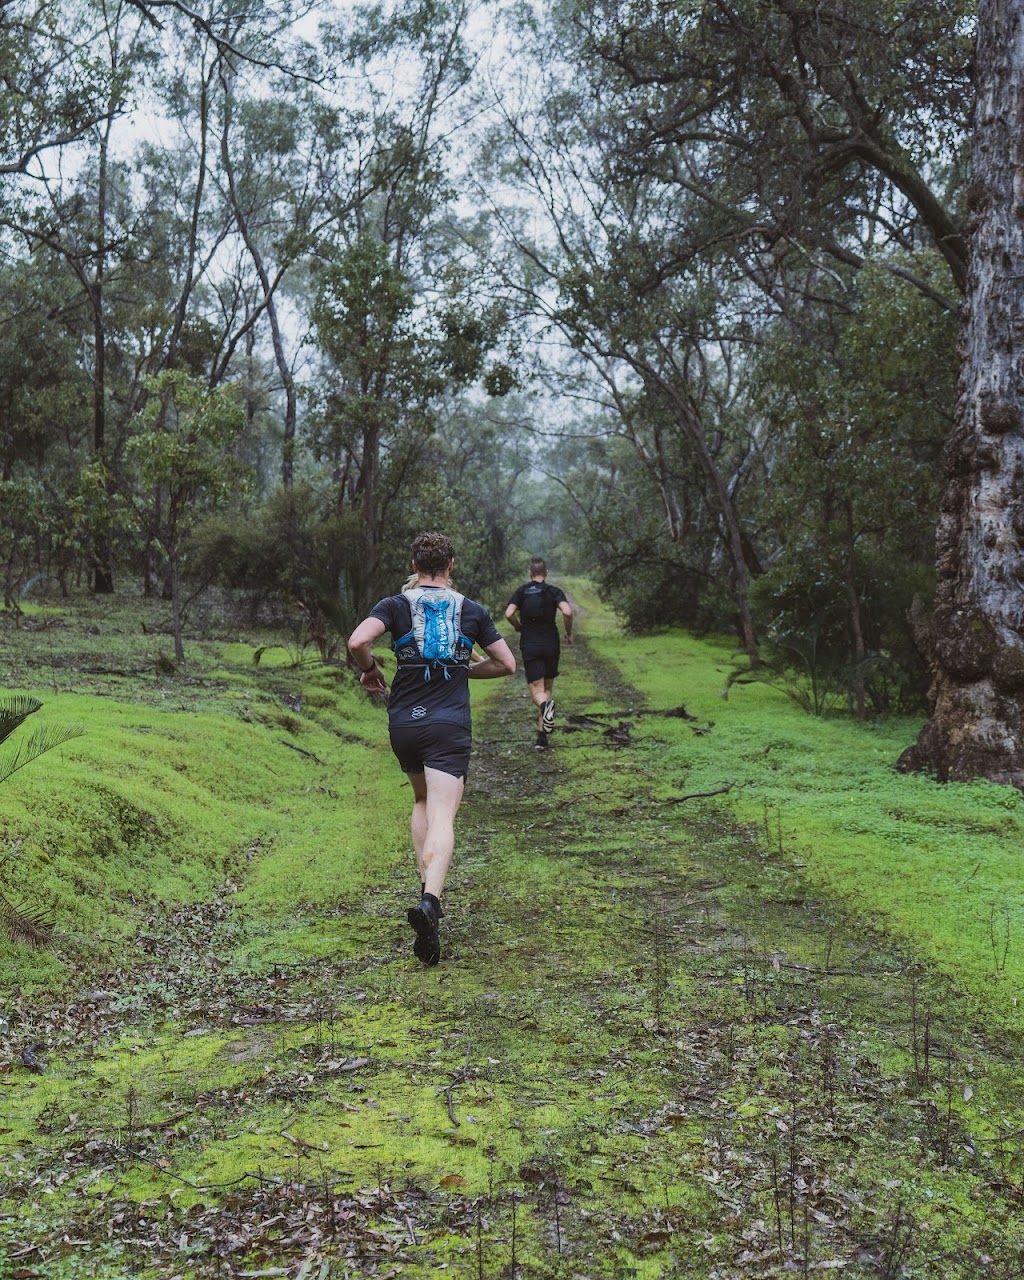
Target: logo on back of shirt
{"x": 418, "y": 713}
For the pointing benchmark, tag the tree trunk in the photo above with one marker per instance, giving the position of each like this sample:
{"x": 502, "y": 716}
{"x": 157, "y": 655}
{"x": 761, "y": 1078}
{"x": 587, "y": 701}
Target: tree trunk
{"x": 975, "y": 638}
{"x": 276, "y": 333}
{"x": 175, "y": 584}
{"x": 732, "y": 535}
{"x": 856, "y": 627}
{"x": 103, "y": 571}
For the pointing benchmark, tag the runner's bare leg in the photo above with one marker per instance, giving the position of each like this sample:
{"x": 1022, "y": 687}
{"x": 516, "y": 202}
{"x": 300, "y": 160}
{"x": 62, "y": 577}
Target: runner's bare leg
{"x": 419, "y": 818}
{"x": 541, "y": 691}
{"x": 442, "y": 795}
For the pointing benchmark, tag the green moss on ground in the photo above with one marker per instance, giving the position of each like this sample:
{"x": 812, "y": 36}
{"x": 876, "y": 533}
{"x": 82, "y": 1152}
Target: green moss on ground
{"x": 661, "y": 1041}
{"x": 936, "y": 865}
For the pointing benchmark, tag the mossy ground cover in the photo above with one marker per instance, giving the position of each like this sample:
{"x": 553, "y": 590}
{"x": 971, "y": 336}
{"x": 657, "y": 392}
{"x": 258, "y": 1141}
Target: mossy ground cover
{"x": 939, "y": 866}
{"x": 659, "y": 1043}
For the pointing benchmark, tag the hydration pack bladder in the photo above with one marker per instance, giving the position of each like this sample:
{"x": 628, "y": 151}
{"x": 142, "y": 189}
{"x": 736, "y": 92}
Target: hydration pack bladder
{"x": 436, "y": 635}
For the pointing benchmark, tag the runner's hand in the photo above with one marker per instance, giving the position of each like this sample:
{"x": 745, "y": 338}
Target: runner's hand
{"x": 373, "y": 680}
{"x": 568, "y": 639}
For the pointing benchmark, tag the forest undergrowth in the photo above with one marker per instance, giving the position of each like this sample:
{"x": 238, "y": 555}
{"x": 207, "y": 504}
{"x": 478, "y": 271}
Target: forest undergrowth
{"x": 661, "y": 1041}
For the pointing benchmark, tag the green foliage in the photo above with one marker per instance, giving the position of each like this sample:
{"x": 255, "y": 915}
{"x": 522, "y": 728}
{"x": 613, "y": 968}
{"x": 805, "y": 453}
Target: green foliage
{"x": 57, "y": 87}
{"x": 294, "y": 548}
{"x": 184, "y": 441}
{"x": 858, "y": 417}
{"x": 183, "y": 460}
{"x": 21, "y": 500}
{"x": 470, "y": 484}
{"x": 14, "y": 711}
{"x": 96, "y": 509}
{"x": 791, "y": 150}
{"x": 391, "y": 360}
{"x": 611, "y": 495}
{"x": 814, "y": 680}
{"x": 44, "y": 394}
{"x": 42, "y": 740}
{"x": 20, "y": 923}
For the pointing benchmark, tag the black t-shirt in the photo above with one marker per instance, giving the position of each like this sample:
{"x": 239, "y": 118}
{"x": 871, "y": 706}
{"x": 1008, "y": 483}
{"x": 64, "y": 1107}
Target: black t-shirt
{"x": 538, "y": 603}
{"x": 416, "y": 700}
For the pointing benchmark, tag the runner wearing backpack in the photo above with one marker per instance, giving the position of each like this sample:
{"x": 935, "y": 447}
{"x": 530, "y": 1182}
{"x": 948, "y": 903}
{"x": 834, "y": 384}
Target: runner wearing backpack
{"x": 533, "y": 611}
{"x": 433, "y": 630}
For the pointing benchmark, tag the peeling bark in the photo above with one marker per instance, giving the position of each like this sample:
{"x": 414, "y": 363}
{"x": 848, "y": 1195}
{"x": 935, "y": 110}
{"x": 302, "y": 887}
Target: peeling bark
{"x": 975, "y": 640}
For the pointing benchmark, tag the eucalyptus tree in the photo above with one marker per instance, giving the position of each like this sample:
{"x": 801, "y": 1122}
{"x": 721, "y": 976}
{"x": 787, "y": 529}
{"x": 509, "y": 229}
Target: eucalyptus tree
{"x": 802, "y": 123}
{"x": 602, "y": 490}
{"x": 45, "y": 403}
{"x": 54, "y": 90}
{"x": 86, "y": 221}
{"x": 472, "y": 478}
{"x": 975, "y": 638}
{"x": 391, "y": 363}
{"x": 183, "y": 454}
{"x": 634, "y": 279}
{"x": 856, "y": 403}
{"x": 44, "y": 395}
{"x": 398, "y": 320}
{"x": 145, "y": 225}
{"x": 270, "y": 208}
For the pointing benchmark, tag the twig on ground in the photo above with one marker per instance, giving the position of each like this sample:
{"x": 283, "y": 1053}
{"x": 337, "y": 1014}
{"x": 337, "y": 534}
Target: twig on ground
{"x": 698, "y": 795}
{"x": 460, "y": 1077}
{"x": 302, "y": 751}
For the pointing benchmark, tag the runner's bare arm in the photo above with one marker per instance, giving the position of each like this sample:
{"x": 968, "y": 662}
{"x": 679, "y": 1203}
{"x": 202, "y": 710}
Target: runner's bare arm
{"x": 500, "y": 661}
{"x": 565, "y": 609}
{"x": 371, "y": 677}
{"x": 512, "y": 614}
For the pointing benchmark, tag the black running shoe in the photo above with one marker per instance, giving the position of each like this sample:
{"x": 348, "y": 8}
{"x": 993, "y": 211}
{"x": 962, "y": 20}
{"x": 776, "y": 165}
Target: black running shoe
{"x": 424, "y": 919}
{"x": 440, "y": 909}
{"x": 547, "y": 718}
{"x": 542, "y": 743}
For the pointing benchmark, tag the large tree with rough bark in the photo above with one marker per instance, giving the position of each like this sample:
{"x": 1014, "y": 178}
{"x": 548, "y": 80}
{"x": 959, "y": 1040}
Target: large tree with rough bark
{"x": 975, "y": 637}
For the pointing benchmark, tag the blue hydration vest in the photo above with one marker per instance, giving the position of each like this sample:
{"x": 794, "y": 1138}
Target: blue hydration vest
{"x": 436, "y": 637}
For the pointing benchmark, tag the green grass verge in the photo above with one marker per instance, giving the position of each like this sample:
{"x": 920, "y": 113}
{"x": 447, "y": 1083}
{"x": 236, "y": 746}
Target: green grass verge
{"x": 940, "y": 866}
{"x": 632, "y": 1042}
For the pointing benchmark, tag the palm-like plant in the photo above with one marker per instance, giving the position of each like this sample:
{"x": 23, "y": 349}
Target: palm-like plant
{"x": 23, "y": 923}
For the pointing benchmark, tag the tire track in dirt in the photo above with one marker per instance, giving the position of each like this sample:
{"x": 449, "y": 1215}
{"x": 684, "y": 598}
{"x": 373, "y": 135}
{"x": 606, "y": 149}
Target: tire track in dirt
{"x": 822, "y": 1087}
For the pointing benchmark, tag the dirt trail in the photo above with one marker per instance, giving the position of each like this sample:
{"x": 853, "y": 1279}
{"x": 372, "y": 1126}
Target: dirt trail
{"x": 775, "y": 1089}
{"x": 646, "y": 1052}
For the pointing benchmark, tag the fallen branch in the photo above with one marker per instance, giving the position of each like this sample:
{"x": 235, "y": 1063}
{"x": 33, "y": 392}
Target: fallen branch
{"x": 677, "y": 713}
{"x": 834, "y": 973}
{"x": 460, "y": 1077}
{"x": 302, "y": 751}
{"x": 698, "y": 795}
{"x": 302, "y": 1144}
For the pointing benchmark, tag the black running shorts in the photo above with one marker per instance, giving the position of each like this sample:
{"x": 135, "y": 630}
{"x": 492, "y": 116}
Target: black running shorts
{"x": 440, "y": 745}
{"x": 541, "y": 666}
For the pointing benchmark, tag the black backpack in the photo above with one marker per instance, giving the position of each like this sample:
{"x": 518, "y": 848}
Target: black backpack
{"x": 536, "y": 606}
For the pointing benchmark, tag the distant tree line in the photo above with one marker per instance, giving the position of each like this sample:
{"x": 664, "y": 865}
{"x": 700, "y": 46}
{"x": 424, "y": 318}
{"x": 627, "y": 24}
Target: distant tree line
{"x": 743, "y": 222}
{"x": 242, "y": 334}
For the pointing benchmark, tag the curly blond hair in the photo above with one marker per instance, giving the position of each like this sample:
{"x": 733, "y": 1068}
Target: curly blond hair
{"x": 432, "y": 553}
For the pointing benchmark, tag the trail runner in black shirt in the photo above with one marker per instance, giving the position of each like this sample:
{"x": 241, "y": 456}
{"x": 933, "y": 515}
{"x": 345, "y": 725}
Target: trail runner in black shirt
{"x": 533, "y": 611}
{"x": 428, "y": 710}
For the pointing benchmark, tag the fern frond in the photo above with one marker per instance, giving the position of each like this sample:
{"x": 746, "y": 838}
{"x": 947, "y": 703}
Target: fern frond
{"x": 44, "y": 739}
{"x": 32, "y": 926}
{"x": 14, "y": 710}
